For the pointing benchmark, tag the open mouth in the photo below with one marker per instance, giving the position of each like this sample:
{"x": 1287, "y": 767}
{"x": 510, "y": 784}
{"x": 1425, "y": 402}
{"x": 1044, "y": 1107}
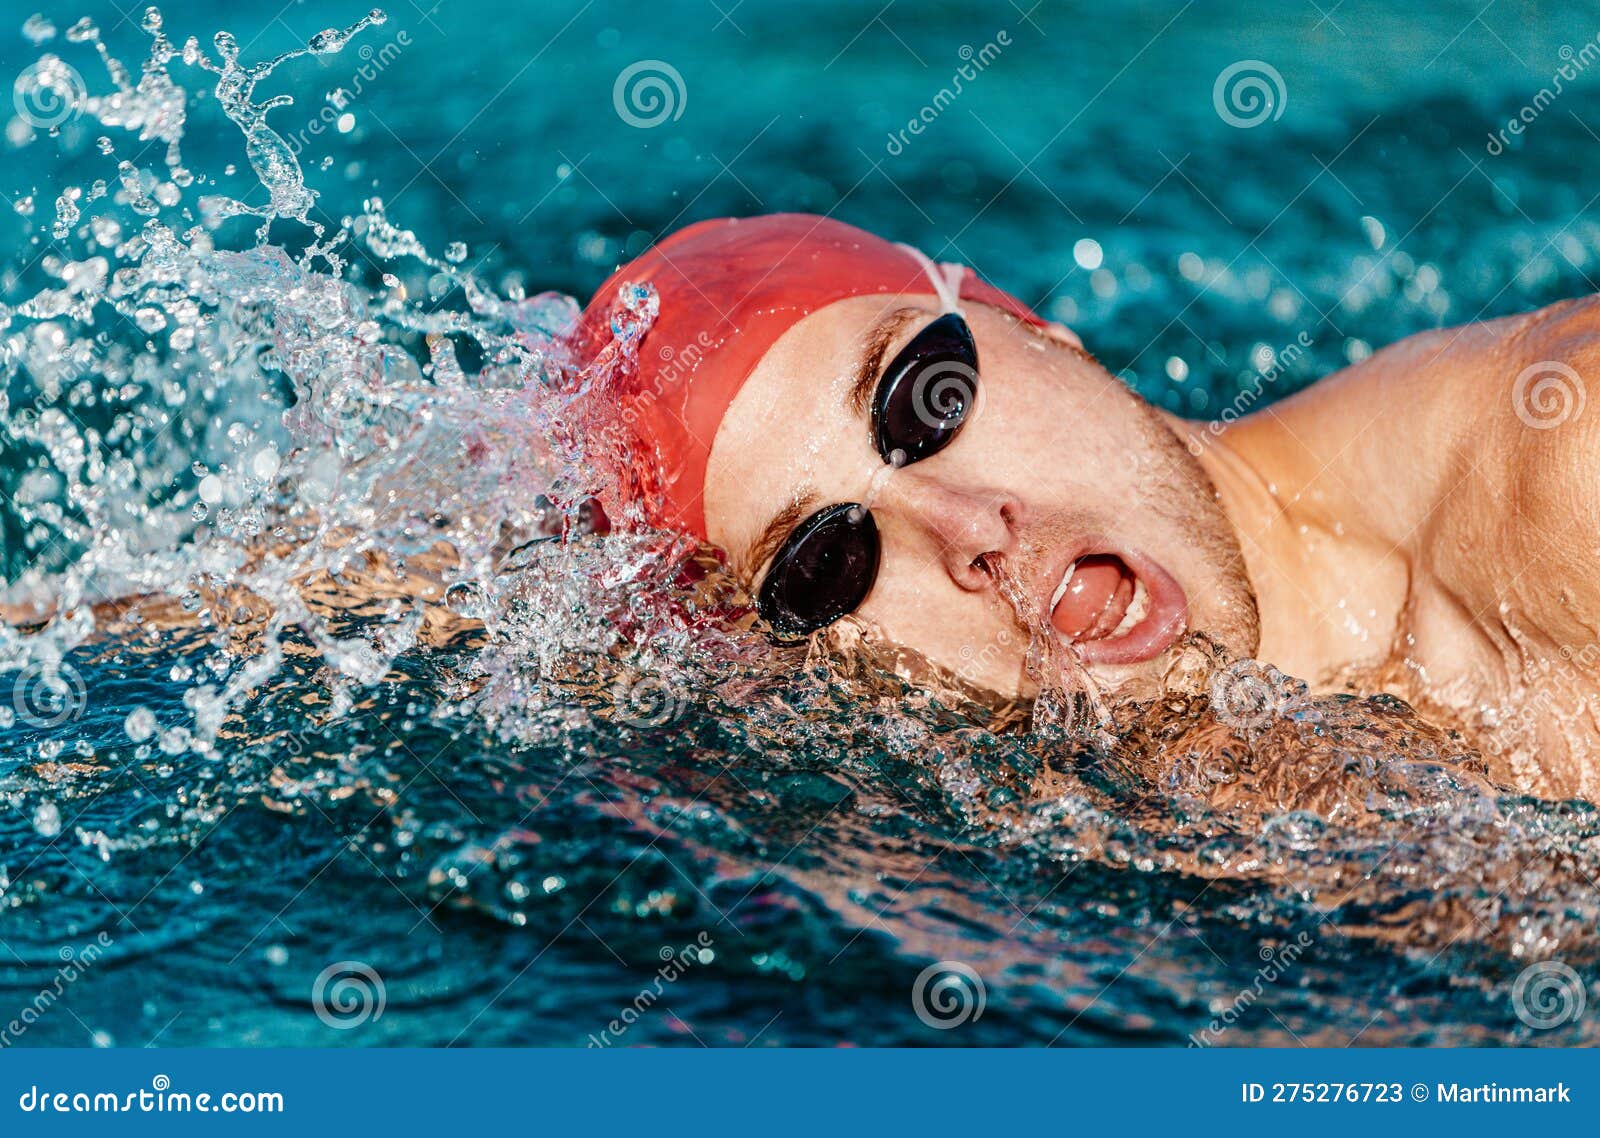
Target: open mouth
{"x": 1116, "y": 609}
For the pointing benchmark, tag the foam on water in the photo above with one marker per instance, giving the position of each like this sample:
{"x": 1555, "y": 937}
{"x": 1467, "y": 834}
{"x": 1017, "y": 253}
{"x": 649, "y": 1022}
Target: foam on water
{"x": 299, "y": 538}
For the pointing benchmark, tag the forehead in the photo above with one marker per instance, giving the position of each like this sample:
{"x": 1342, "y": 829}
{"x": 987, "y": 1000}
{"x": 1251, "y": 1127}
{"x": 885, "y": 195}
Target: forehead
{"x": 791, "y": 430}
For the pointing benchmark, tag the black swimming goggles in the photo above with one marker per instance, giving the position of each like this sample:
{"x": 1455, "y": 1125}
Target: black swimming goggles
{"x": 827, "y": 565}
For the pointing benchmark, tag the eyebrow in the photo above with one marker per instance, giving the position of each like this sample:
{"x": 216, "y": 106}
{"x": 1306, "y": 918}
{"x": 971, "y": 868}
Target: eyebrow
{"x": 766, "y": 545}
{"x": 874, "y": 346}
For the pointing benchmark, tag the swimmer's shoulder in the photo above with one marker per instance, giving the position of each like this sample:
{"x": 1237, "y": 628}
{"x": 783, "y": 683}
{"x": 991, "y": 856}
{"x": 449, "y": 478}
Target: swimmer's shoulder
{"x": 1548, "y": 387}
{"x": 1546, "y": 403}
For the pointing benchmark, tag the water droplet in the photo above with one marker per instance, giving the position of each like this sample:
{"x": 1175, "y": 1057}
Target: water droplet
{"x": 140, "y": 724}
{"x": 38, "y": 30}
{"x": 47, "y": 819}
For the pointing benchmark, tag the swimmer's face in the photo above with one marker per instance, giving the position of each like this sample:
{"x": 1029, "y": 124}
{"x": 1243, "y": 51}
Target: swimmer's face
{"x": 1058, "y": 475}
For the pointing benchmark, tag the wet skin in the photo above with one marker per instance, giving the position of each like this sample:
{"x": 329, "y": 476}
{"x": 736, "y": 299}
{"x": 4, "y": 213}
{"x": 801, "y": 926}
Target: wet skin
{"x": 1057, "y": 461}
{"x": 1397, "y": 526}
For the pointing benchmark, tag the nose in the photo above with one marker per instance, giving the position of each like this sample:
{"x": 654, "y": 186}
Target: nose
{"x": 963, "y": 528}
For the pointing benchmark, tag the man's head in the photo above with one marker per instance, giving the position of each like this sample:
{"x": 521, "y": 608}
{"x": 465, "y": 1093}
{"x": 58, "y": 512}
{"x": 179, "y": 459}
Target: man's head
{"x": 1004, "y": 483}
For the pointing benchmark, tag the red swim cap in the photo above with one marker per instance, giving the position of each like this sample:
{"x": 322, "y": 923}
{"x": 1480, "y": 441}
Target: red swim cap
{"x": 727, "y": 289}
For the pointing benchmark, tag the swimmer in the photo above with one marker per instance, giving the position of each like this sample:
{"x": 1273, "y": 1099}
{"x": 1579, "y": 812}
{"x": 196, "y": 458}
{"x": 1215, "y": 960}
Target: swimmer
{"x": 886, "y": 444}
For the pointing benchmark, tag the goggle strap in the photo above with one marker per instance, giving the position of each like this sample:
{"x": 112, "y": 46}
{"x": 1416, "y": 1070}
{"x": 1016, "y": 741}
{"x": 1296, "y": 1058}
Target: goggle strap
{"x": 946, "y": 279}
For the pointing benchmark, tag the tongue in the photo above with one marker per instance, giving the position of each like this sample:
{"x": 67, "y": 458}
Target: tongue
{"x": 1096, "y": 587}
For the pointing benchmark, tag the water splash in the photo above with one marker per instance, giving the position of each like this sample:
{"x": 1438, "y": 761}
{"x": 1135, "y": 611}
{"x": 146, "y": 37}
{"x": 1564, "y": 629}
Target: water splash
{"x": 319, "y": 428}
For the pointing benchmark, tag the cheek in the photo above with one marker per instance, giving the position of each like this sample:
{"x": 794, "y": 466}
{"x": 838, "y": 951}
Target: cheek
{"x": 1039, "y": 433}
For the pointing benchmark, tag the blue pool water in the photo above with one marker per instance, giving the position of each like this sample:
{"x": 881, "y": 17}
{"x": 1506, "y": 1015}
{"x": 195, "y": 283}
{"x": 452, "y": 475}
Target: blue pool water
{"x": 589, "y": 824}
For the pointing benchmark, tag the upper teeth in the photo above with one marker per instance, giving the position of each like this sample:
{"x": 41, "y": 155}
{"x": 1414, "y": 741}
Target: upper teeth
{"x": 1061, "y": 589}
{"x": 1138, "y": 604}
